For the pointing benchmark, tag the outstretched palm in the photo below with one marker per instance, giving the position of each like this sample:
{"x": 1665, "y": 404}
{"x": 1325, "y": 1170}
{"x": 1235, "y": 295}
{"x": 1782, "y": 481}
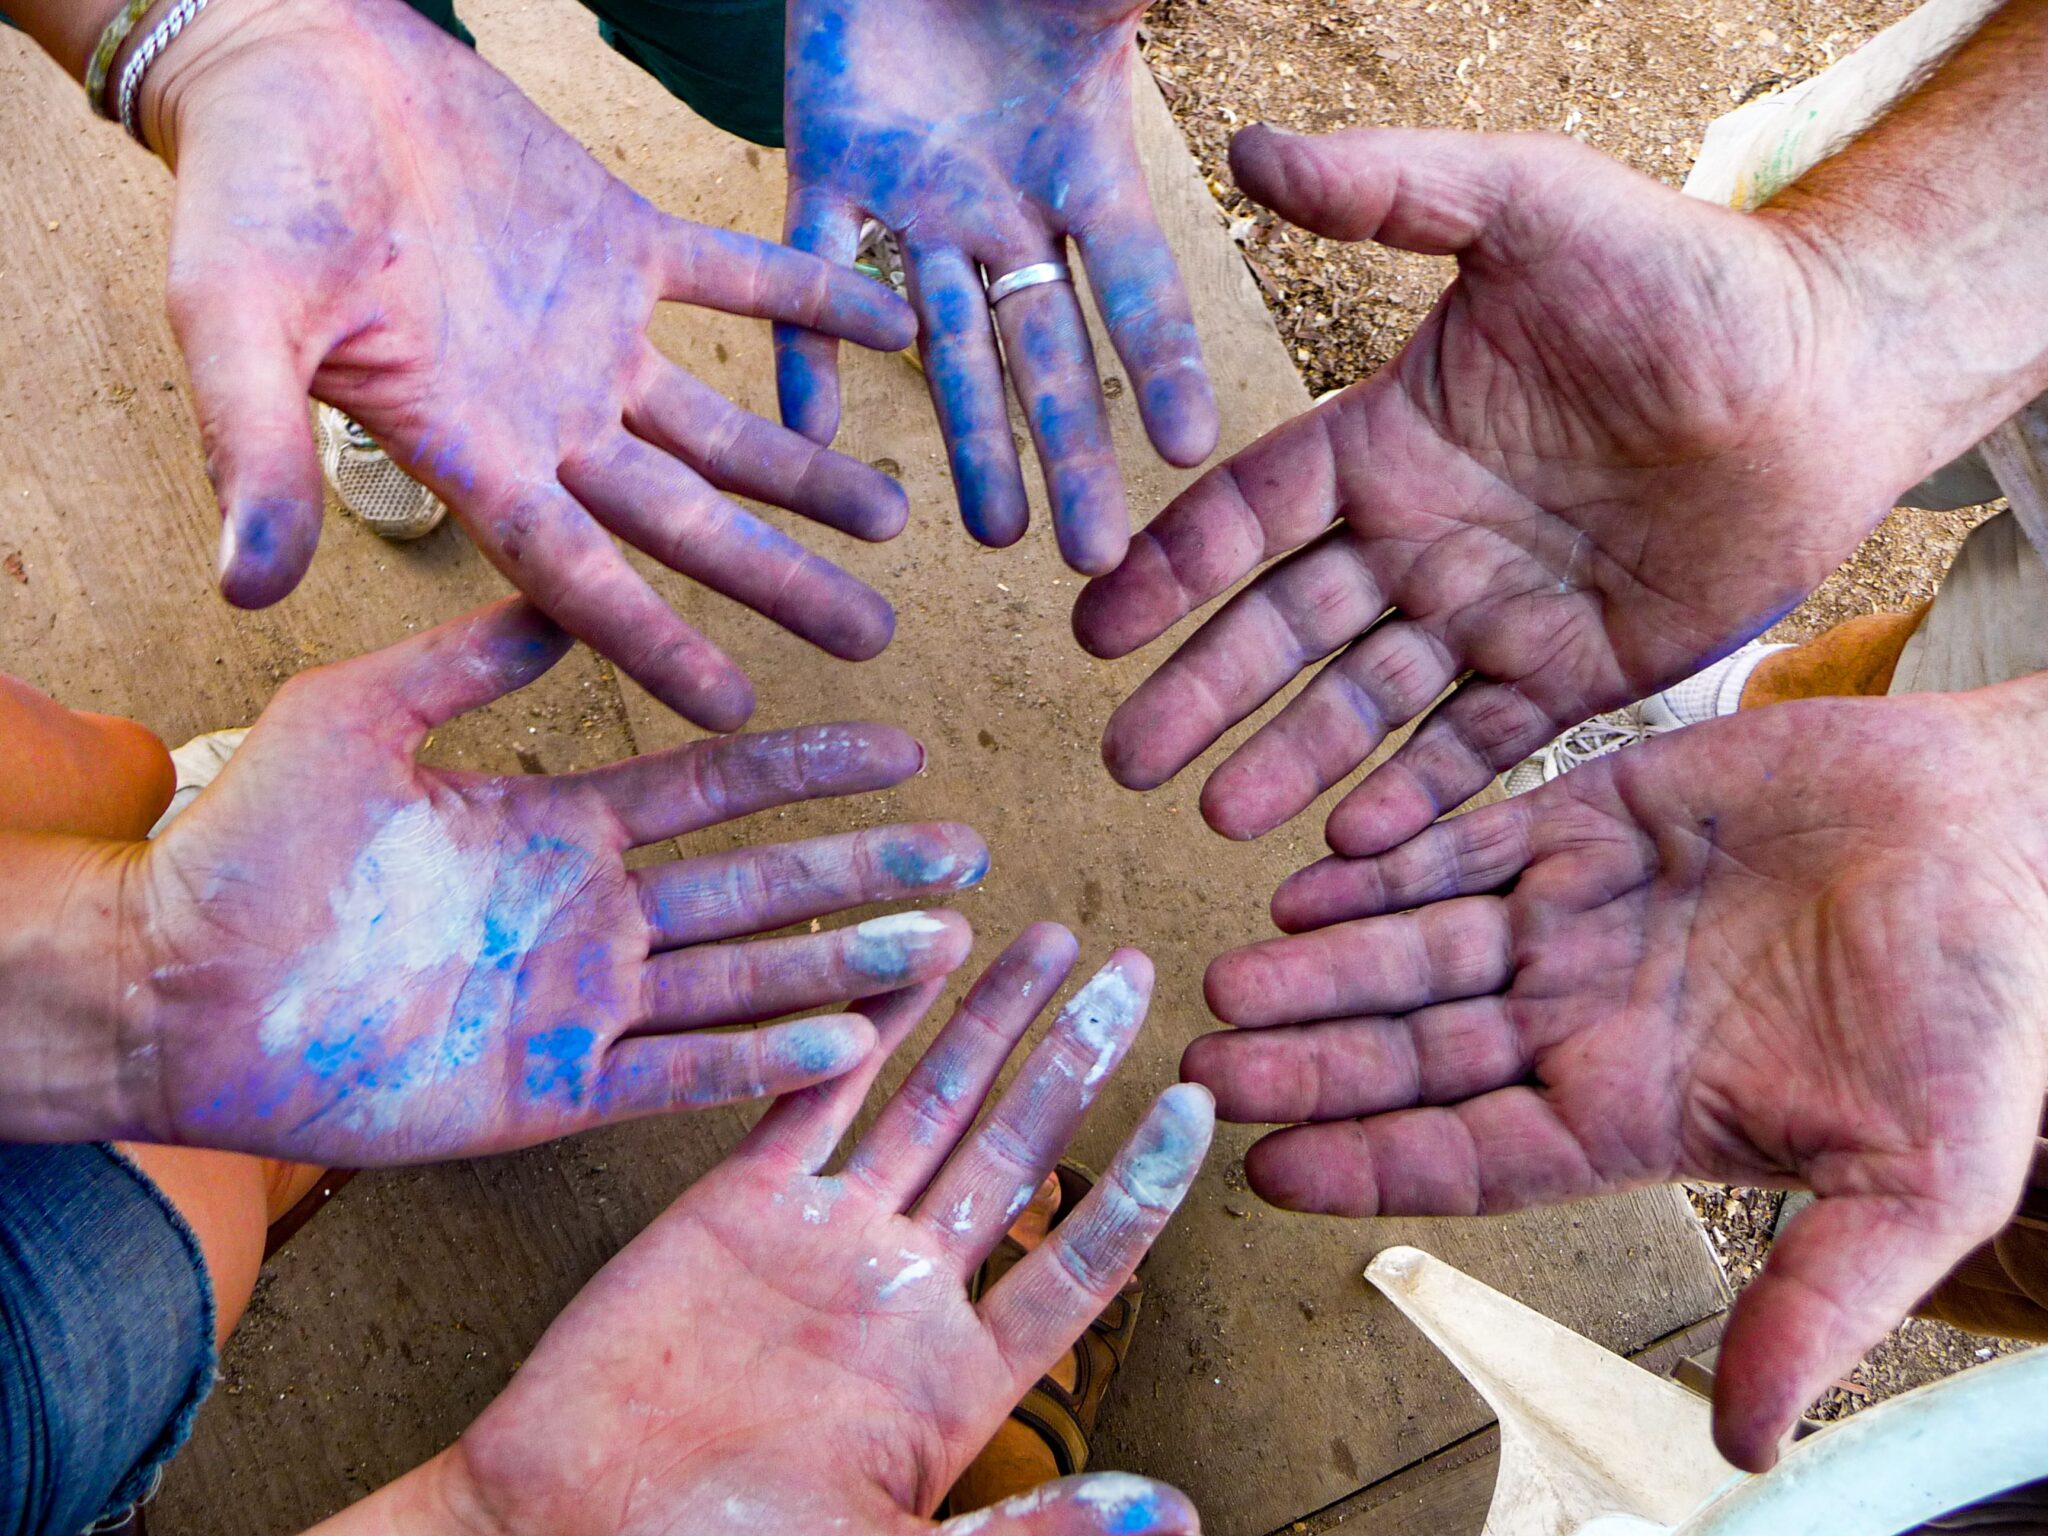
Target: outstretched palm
{"x": 343, "y": 956}
{"x": 785, "y": 1350}
{"x": 986, "y": 133}
{"x": 369, "y": 211}
{"x": 1615, "y": 450}
{"x": 1761, "y": 950}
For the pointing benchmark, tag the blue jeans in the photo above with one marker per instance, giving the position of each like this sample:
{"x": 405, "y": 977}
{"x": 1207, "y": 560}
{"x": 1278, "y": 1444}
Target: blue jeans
{"x": 106, "y": 1336}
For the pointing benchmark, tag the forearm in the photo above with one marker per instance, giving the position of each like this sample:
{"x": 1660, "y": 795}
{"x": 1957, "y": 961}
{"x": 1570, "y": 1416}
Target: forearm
{"x": 1935, "y": 223}
{"x": 67, "y": 30}
{"x": 75, "y": 1064}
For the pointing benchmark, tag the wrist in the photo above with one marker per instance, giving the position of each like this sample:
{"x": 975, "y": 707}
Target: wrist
{"x": 1934, "y": 223}
{"x": 1928, "y": 349}
{"x": 436, "y": 1498}
{"x": 173, "y": 81}
{"x": 77, "y": 1053}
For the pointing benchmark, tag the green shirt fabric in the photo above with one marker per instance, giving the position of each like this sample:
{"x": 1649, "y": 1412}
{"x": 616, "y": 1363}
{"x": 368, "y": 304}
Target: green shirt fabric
{"x": 722, "y": 58}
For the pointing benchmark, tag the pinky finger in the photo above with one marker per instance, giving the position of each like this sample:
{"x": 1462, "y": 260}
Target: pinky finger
{"x": 1040, "y": 1307}
{"x": 655, "y": 1074}
{"x": 1095, "y": 1504}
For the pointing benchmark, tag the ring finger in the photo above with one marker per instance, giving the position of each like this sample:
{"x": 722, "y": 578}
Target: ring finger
{"x": 1052, "y": 367}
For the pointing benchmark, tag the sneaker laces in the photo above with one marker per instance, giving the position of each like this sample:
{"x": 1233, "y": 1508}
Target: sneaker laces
{"x": 1598, "y": 737}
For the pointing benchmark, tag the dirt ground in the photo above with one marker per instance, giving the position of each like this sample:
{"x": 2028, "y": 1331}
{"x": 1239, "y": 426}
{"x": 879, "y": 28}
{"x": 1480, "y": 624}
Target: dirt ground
{"x": 1639, "y": 81}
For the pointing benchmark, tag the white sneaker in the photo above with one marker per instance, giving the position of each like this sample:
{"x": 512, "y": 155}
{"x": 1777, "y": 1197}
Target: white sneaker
{"x": 1706, "y": 695}
{"x": 388, "y": 500}
{"x": 881, "y": 257}
{"x": 198, "y": 763}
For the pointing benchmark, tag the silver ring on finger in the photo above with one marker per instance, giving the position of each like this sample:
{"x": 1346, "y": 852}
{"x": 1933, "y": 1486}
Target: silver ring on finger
{"x": 1033, "y": 276}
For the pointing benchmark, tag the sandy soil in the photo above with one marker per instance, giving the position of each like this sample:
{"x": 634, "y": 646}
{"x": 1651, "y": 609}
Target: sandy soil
{"x": 1639, "y": 81}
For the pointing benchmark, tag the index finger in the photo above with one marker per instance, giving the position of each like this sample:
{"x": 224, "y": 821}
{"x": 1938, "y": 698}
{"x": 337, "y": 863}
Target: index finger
{"x": 1043, "y": 1303}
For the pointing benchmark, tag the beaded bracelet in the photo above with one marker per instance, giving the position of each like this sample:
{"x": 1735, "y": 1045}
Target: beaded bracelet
{"x": 111, "y": 39}
{"x": 161, "y": 37}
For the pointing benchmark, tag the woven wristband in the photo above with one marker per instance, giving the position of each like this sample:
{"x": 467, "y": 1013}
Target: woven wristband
{"x": 111, "y": 40}
{"x": 151, "y": 48}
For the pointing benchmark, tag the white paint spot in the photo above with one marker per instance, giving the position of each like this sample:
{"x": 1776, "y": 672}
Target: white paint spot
{"x": 902, "y": 925}
{"x": 1111, "y": 1494}
{"x": 1019, "y": 1200}
{"x": 1103, "y": 1015}
{"x": 963, "y": 1214}
{"x": 909, "y": 1274}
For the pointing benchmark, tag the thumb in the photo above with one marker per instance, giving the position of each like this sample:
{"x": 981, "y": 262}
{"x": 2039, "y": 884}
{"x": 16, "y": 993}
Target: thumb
{"x": 250, "y": 392}
{"x": 1436, "y": 191}
{"x": 1846, "y": 1270}
{"x": 424, "y": 681}
{"x": 1095, "y": 1504}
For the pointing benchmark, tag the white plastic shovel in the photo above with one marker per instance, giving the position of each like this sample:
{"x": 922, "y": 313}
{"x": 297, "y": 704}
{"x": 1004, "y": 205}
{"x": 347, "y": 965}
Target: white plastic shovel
{"x": 1592, "y": 1445}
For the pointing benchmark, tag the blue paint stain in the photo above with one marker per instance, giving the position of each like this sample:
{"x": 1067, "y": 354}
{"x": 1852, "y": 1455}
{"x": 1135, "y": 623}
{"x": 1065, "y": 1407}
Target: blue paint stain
{"x": 556, "y": 1061}
{"x": 796, "y": 383}
{"x": 322, "y": 226}
{"x": 814, "y": 1051}
{"x": 1140, "y": 1513}
{"x": 915, "y": 864}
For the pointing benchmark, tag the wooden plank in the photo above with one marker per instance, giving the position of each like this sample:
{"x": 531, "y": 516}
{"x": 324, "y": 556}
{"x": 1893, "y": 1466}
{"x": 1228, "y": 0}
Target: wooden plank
{"x": 1268, "y": 1380}
{"x": 1986, "y": 625}
{"x": 2018, "y": 455}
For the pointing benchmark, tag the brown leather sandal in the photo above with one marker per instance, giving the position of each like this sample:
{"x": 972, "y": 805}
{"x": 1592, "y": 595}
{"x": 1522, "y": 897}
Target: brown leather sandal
{"x": 286, "y": 1227}
{"x": 1065, "y": 1420}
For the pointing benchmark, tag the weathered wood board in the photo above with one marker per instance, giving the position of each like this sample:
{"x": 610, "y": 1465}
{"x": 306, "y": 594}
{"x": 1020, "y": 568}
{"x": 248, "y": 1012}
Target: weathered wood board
{"x": 1267, "y": 1380}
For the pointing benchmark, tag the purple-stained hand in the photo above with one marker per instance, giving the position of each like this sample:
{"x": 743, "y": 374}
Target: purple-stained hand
{"x": 1806, "y": 945}
{"x": 369, "y": 212}
{"x": 986, "y": 133}
{"x": 338, "y": 955}
{"x": 1634, "y": 431}
{"x": 791, "y": 1350}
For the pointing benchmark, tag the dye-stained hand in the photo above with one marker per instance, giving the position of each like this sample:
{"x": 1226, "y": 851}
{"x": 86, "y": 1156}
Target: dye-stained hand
{"x": 986, "y": 134}
{"x": 790, "y": 1349}
{"x": 1802, "y": 946}
{"x": 369, "y": 212}
{"x": 339, "y": 955}
{"x": 1622, "y": 444}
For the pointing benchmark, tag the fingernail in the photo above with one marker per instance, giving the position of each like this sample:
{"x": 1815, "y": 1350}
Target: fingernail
{"x": 919, "y": 862}
{"x": 1105, "y": 1014}
{"x": 826, "y": 1047}
{"x": 1174, "y": 1141}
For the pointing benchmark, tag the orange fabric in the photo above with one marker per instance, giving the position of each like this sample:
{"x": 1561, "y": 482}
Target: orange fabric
{"x": 1854, "y": 659}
